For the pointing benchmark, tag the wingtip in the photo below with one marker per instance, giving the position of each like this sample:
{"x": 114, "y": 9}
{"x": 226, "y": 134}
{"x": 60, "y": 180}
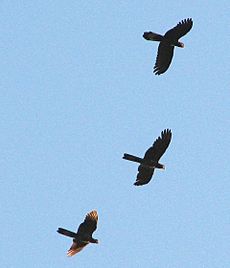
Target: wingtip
{"x": 156, "y": 71}
{"x": 166, "y": 131}
{"x": 92, "y": 214}
{"x": 137, "y": 183}
{"x": 70, "y": 253}
{"x": 187, "y": 20}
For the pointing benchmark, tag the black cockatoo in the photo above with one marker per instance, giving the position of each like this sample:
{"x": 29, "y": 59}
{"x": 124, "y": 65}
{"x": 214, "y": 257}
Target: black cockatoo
{"x": 151, "y": 158}
{"x": 167, "y": 44}
{"x": 83, "y": 236}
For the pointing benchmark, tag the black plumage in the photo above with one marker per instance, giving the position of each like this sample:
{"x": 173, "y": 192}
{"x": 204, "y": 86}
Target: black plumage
{"x": 151, "y": 158}
{"x": 167, "y": 44}
{"x": 83, "y": 236}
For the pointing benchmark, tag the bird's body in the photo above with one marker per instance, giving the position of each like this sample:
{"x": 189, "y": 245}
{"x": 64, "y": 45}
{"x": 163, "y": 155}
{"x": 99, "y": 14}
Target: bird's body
{"x": 83, "y": 236}
{"x": 151, "y": 158}
{"x": 167, "y": 44}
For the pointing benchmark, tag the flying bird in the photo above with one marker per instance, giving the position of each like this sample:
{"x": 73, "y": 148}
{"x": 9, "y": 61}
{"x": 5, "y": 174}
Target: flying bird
{"x": 151, "y": 158}
{"x": 83, "y": 236}
{"x": 167, "y": 44}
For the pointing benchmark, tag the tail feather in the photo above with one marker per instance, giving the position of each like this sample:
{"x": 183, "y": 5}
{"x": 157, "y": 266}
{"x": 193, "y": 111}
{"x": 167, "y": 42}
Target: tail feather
{"x": 152, "y": 36}
{"x": 66, "y": 232}
{"x": 133, "y": 158}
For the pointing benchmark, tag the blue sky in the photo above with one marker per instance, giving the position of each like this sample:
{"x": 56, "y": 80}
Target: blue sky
{"x": 77, "y": 91}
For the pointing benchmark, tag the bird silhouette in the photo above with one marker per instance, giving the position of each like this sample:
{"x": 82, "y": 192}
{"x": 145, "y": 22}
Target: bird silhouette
{"x": 151, "y": 158}
{"x": 83, "y": 236}
{"x": 167, "y": 44}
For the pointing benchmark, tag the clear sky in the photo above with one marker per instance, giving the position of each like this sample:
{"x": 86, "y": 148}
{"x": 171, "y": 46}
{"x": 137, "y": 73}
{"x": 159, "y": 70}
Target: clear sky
{"x": 77, "y": 91}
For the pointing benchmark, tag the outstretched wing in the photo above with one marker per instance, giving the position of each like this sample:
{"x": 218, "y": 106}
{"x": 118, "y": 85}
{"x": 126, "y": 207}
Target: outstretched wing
{"x": 76, "y": 247}
{"x": 164, "y": 58}
{"x": 181, "y": 29}
{"x": 89, "y": 225}
{"x": 159, "y": 147}
{"x": 144, "y": 175}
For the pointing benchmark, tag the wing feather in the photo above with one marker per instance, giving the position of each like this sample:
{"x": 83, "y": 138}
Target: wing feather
{"x": 89, "y": 225}
{"x": 76, "y": 247}
{"x": 159, "y": 147}
{"x": 164, "y": 58}
{"x": 144, "y": 175}
{"x": 181, "y": 29}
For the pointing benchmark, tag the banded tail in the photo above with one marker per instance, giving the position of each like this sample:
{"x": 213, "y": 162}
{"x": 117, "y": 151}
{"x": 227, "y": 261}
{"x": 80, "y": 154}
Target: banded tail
{"x": 66, "y": 232}
{"x": 152, "y": 36}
